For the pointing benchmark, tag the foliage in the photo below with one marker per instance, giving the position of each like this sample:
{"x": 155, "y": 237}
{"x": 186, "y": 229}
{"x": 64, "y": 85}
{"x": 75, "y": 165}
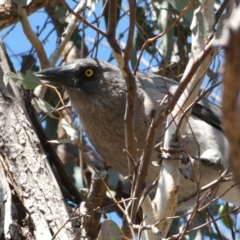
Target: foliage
{"x": 166, "y": 56}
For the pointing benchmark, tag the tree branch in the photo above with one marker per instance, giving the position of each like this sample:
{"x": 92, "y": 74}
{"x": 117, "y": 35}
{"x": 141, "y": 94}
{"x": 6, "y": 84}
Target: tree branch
{"x": 122, "y": 60}
{"x": 230, "y": 104}
{"x": 80, "y": 18}
{"x": 9, "y": 11}
{"x": 33, "y": 39}
{"x": 66, "y": 35}
{"x": 165, "y": 201}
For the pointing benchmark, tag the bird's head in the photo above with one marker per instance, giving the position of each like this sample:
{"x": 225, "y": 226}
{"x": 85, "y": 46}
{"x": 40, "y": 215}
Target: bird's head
{"x": 89, "y": 76}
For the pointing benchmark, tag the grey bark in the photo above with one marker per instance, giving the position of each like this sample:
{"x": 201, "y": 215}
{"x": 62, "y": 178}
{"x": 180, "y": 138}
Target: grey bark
{"x": 9, "y": 13}
{"x": 32, "y": 206}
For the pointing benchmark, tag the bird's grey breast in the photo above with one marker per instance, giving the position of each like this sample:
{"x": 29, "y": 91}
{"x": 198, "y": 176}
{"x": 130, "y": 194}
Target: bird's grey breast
{"x": 102, "y": 118}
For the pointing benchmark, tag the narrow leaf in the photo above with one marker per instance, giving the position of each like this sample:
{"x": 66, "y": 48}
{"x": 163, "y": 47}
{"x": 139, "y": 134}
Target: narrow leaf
{"x": 42, "y": 106}
{"x": 110, "y": 230}
{"x": 28, "y": 81}
{"x": 9, "y": 76}
{"x": 71, "y": 132}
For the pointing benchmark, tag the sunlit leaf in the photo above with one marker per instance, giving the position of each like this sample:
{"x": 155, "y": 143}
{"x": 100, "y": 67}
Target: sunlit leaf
{"x": 133, "y": 57}
{"x": 70, "y": 131}
{"x": 110, "y": 231}
{"x": 221, "y": 211}
{"x": 32, "y": 77}
{"x": 21, "y": 2}
{"x": 42, "y": 106}
{"x": 178, "y": 6}
{"x": 75, "y": 173}
{"x": 9, "y": 76}
{"x": 165, "y": 20}
{"x": 72, "y": 134}
{"x": 91, "y": 6}
{"x": 28, "y": 81}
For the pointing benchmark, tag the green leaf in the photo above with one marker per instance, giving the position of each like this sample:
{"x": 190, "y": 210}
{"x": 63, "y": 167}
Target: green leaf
{"x": 28, "y": 81}
{"x": 221, "y": 211}
{"x": 91, "y": 6}
{"x": 165, "y": 20}
{"x": 178, "y": 6}
{"x": 29, "y": 63}
{"x": 145, "y": 30}
{"x": 21, "y": 2}
{"x": 110, "y": 231}
{"x": 60, "y": 12}
{"x": 105, "y": 12}
{"x": 9, "y": 76}
{"x": 30, "y": 75}
{"x": 72, "y": 134}
{"x": 42, "y": 106}
{"x": 195, "y": 3}
{"x": 133, "y": 57}
{"x": 75, "y": 173}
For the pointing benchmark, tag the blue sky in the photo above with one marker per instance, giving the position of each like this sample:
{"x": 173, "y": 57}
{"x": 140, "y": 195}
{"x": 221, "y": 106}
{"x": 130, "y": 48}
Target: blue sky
{"x": 18, "y": 45}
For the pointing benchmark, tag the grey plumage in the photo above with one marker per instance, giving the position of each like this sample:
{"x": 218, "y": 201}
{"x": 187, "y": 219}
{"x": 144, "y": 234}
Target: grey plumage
{"x": 97, "y": 92}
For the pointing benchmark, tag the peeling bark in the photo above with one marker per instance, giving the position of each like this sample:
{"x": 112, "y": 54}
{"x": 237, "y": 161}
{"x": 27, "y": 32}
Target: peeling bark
{"x": 9, "y": 10}
{"x": 32, "y": 205}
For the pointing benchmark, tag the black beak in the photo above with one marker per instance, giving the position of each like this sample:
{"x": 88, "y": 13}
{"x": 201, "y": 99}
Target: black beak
{"x": 60, "y": 75}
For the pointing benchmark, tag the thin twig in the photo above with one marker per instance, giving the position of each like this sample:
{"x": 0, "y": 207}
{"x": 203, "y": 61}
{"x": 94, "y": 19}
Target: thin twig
{"x": 129, "y": 78}
{"x": 161, "y": 34}
{"x": 80, "y": 18}
{"x": 68, "y": 32}
{"x": 209, "y": 222}
{"x": 32, "y": 37}
{"x": 215, "y": 224}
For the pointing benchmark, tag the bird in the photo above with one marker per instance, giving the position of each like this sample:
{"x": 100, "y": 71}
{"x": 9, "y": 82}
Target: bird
{"x": 97, "y": 91}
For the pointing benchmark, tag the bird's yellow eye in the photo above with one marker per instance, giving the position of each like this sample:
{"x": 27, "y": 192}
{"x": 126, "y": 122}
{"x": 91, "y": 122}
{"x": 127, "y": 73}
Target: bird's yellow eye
{"x": 88, "y": 72}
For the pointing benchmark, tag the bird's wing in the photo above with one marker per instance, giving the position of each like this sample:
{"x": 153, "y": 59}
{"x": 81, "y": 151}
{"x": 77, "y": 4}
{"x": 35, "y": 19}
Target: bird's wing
{"x": 209, "y": 113}
{"x": 204, "y": 109}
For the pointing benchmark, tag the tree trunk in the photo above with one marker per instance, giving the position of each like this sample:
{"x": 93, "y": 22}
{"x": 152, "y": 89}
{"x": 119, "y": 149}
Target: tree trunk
{"x": 31, "y": 203}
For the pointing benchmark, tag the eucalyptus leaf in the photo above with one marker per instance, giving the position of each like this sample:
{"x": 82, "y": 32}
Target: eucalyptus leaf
{"x": 145, "y": 31}
{"x": 178, "y": 6}
{"x": 29, "y": 62}
{"x": 42, "y": 106}
{"x": 92, "y": 4}
{"x": 30, "y": 75}
{"x": 133, "y": 57}
{"x": 105, "y": 12}
{"x": 221, "y": 211}
{"x": 60, "y": 12}
{"x": 165, "y": 20}
{"x": 28, "y": 81}
{"x": 109, "y": 230}
{"x": 72, "y": 134}
{"x": 8, "y": 77}
{"x": 75, "y": 173}
{"x": 21, "y": 2}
